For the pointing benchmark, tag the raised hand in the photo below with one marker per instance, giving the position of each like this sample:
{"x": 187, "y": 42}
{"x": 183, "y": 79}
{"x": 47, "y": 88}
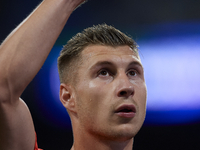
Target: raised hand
{"x": 22, "y": 55}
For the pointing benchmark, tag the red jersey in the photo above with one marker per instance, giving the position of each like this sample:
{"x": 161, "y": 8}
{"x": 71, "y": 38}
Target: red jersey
{"x": 36, "y": 146}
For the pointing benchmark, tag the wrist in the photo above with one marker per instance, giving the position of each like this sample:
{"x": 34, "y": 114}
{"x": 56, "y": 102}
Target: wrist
{"x": 71, "y": 5}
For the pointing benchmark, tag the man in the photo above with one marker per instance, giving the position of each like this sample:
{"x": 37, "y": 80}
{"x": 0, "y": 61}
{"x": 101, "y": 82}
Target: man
{"x": 102, "y": 81}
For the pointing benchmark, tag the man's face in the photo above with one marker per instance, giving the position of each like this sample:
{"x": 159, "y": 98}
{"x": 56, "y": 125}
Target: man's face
{"x": 111, "y": 92}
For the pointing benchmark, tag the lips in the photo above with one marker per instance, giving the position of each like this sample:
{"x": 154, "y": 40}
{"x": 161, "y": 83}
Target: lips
{"x": 126, "y": 111}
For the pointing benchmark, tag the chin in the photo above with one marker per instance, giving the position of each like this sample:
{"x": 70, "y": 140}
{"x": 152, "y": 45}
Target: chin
{"x": 124, "y": 136}
{"x": 125, "y": 133}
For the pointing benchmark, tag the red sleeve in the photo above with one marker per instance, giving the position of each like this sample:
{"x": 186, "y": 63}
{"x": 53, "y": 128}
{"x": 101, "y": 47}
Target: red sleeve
{"x": 36, "y": 146}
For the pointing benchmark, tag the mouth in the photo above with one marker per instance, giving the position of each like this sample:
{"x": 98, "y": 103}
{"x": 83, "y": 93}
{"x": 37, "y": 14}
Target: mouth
{"x": 126, "y": 111}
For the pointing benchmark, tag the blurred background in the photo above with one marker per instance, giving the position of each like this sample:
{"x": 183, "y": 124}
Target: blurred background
{"x": 168, "y": 35}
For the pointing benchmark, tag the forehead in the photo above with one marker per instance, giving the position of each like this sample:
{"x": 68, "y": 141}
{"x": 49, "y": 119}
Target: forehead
{"x": 99, "y": 52}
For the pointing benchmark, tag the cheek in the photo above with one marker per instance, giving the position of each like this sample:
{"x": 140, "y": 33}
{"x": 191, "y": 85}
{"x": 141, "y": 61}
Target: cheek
{"x": 91, "y": 99}
{"x": 92, "y": 109}
{"x": 141, "y": 94}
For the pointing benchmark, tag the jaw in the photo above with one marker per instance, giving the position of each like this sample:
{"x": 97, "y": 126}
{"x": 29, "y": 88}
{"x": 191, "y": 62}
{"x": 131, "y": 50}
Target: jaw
{"x": 86, "y": 140}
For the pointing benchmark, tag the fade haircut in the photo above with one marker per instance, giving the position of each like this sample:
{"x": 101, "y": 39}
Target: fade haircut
{"x": 70, "y": 56}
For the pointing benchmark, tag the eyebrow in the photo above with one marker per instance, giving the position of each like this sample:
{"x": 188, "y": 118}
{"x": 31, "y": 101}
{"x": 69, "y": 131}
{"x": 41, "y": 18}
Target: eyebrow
{"x": 100, "y": 63}
{"x": 136, "y": 63}
{"x": 103, "y": 63}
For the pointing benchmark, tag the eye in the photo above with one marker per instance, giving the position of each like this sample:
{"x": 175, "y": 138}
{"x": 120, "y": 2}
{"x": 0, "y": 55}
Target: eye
{"x": 103, "y": 73}
{"x": 132, "y": 73}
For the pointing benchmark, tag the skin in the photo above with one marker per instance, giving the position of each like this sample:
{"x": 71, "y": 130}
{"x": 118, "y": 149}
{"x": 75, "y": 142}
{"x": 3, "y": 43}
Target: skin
{"x": 108, "y": 78}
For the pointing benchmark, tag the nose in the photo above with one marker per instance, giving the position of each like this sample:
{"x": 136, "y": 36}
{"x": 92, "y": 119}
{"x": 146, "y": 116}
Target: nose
{"x": 125, "y": 87}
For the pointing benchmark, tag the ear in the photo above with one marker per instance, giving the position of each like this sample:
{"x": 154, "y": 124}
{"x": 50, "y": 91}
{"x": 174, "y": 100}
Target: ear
{"x": 67, "y": 97}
